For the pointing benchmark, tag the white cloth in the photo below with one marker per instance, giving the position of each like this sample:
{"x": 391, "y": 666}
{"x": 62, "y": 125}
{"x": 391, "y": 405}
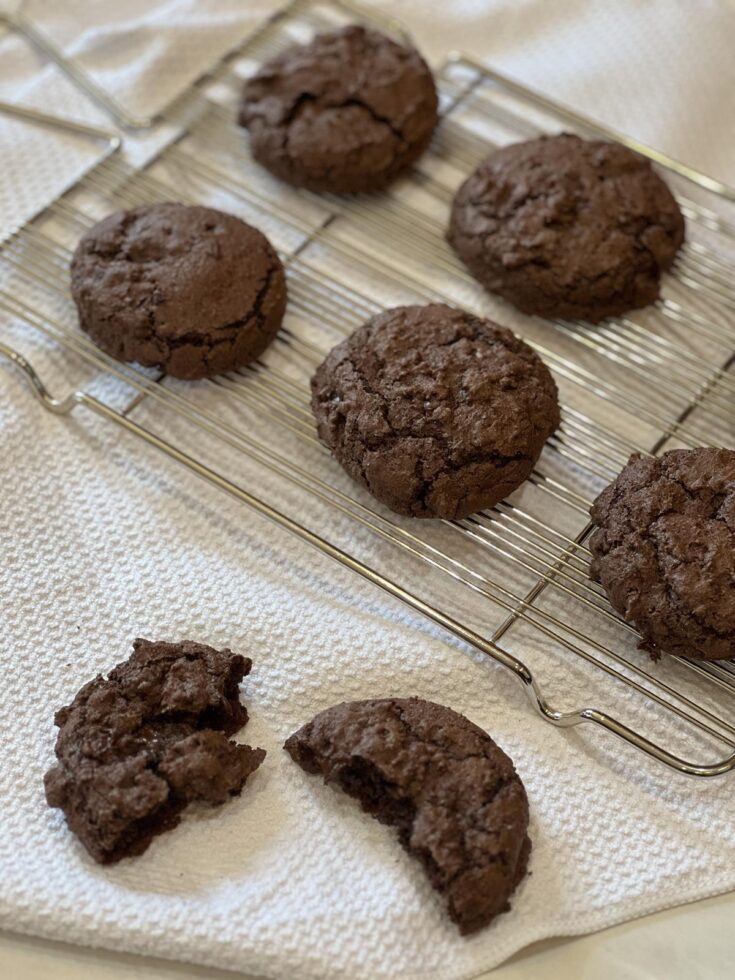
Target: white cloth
{"x": 102, "y": 541}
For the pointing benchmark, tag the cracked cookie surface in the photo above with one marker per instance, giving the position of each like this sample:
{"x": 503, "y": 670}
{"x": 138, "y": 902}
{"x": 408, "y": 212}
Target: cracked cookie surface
{"x": 188, "y": 289}
{"x": 452, "y": 794}
{"x": 565, "y": 227}
{"x": 437, "y": 412}
{"x": 345, "y": 113}
{"x": 663, "y": 549}
{"x": 135, "y": 748}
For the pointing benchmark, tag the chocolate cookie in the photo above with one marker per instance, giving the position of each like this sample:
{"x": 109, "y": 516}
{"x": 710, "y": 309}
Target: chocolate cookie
{"x": 451, "y": 793}
{"x": 346, "y": 113}
{"x": 437, "y": 412}
{"x": 187, "y": 289}
{"x": 664, "y": 550}
{"x": 566, "y": 227}
{"x": 136, "y": 747}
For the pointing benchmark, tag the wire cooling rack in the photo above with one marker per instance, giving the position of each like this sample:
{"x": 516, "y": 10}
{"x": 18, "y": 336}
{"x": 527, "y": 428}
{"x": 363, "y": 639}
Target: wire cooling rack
{"x": 512, "y": 582}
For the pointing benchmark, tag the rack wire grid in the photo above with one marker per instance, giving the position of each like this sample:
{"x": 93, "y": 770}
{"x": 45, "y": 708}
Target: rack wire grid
{"x": 511, "y": 583}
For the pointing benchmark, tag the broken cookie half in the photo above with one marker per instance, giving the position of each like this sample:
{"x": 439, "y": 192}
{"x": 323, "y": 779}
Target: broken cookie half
{"x": 135, "y": 748}
{"x": 450, "y": 791}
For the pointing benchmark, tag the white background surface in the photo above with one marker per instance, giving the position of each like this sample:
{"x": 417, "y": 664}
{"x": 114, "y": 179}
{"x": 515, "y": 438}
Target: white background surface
{"x": 691, "y": 942}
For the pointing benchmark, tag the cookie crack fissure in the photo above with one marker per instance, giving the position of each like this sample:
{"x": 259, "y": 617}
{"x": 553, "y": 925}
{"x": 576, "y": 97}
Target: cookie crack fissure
{"x": 355, "y": 100}
{"x": 397, "y": 434}
{"x": 305, "y": 98}
{"x": 473, "y": 822}
{"x": 676, "y": 600}
{"x": 231, "y": 331}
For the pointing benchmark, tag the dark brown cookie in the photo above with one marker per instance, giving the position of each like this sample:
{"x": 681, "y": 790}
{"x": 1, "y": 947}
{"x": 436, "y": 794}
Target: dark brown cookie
{"x": 188, "y": 289}
{"x": 452, "y": 794}
{"x": 136, "y": 747}
{"x": 346, "y": 113}
{"x": 437, "y": 412}
{"x": 664, "y": 550}
{"x": 566, "y": 227}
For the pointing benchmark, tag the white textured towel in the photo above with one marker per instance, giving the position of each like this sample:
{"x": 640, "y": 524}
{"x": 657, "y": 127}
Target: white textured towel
{"x": 102, "y": 540}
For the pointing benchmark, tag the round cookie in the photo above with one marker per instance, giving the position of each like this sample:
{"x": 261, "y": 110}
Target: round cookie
{"x": 188, "y": 289}
{"x": 453, "y": 795}
{"x": 565, "y": 227}
{"x": 345, "y": 113}
{"x": 437, "y": 412}
{"x": 663, "y": 549}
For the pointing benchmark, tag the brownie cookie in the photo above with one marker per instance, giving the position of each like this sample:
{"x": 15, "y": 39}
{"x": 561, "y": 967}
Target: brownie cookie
{"x": 346, "y": 113}
{"x": 136, "y": 747}
{"x": 451, "y": 793}
{"x": 663, "y": 549}
{"x": 566, "y": 227}
{"x": 437, "y": 412}
{"x": 188, "y": 289}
